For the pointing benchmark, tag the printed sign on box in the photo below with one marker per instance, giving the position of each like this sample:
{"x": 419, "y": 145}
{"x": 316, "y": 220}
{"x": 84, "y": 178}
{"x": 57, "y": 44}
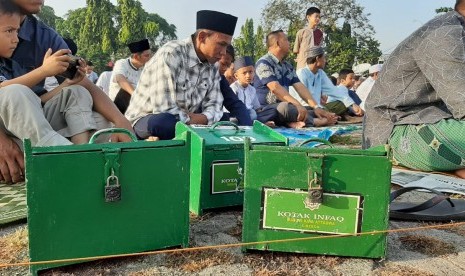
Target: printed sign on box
{"x": 287, "y": 210}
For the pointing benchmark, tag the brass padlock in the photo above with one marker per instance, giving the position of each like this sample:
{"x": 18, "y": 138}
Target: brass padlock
{"x": 315, "y": 191}
{"x": 112, "y": 191}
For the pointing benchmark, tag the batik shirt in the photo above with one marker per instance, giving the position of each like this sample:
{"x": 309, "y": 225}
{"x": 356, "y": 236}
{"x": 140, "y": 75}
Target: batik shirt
{"x": 175, "y": 81}
{"x": 269, "y": 69}
{"x": 422, "y": 82}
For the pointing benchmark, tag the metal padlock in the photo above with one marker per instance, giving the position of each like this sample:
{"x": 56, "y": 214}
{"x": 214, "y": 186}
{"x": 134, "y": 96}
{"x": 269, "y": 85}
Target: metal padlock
{"x": 315, "y": 191}
{"x": 113, "y": 191}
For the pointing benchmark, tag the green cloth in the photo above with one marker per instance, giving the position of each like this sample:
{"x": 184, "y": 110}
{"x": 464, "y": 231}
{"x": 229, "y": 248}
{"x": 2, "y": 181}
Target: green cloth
{"x": 12, "y": 202}
{"x": 336, "y": 107}
{"x": 430, "y": 147}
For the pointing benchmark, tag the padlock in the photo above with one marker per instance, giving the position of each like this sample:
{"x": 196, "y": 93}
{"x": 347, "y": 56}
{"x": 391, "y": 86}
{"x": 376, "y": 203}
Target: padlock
{"x": 315, "y": 191}
{"x": 113, "y": 191}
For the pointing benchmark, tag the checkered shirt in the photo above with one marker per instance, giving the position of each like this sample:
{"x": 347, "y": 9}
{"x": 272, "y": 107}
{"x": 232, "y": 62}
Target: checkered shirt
{"x": 175, "y": 81}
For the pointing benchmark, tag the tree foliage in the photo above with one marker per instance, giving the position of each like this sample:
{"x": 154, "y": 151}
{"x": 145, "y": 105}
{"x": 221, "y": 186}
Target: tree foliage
{"x": 102, "y": 30}
{"x": 250, "y": 43}
{"x": 47, "y": 15}
{"x": 349, "y": 36}
{"x": 96, "y": 37}
{"x": 444, "y": 9}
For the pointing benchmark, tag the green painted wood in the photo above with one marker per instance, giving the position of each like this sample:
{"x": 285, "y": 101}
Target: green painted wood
{"x": 364, "y": 173}
{"x": 67, "y": 213}
{"x": 220, "y": 144}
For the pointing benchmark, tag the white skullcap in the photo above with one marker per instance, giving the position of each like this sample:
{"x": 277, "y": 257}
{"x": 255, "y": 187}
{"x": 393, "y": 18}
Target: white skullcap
{"x": 375, "y": 68}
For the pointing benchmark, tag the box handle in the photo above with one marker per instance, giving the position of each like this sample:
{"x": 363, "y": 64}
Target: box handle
{"x": 319, "y": 140}
{"x": 112, "y": 130}
{"x": 224, "y": 123}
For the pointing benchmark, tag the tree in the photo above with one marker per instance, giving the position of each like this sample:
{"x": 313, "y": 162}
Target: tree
{"x": 444, "y": 9}
{"x": 71, "y": 25}
{"x": 166, "y": 31}
{"x": 102, "y": 30}
{"x": 249, "y": 43}
{"x": 289, "y": 15}
{"x": 47, "y": 15}
{"x": 342, "y": 47}
{"x": 97, "y": 37}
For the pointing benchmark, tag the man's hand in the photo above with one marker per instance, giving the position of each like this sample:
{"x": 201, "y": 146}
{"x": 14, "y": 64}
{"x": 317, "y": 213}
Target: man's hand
{"x": 121, "y": 137}
{"x": 80, "y": 74}
{"x": 321, "y": 113}
{"x": 303, "y": 113}
{"x": 56, "y": 63}
{"x": 357, "y": 110}
{"x": 11, "y": 160}
{"x": 197, "y": 119}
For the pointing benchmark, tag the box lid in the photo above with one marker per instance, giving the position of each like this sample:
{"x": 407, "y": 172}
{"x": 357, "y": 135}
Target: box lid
{"x": 227, "y": 135}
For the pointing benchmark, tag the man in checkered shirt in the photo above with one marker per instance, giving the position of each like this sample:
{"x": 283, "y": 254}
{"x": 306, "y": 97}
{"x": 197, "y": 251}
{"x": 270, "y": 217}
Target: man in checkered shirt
{"x": 181, "y": 79}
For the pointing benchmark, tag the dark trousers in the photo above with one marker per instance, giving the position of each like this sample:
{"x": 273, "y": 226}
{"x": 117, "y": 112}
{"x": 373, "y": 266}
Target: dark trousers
{"x": 122, "y": 100}
{"x": 283, "y": 113}
{"x": 161, "y": 125}
{"x": 268, "y": 113}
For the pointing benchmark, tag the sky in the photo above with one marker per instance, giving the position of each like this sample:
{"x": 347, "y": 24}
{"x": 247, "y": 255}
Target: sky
{"x": 393, "y": 20}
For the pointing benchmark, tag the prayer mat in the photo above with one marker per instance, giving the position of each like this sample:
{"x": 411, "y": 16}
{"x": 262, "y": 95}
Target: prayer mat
{"x": 12, "y": 202}
{"x": 297, "y": 136}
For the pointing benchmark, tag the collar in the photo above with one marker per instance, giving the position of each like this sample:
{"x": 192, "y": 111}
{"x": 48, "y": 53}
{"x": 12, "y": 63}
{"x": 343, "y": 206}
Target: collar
{"x": 132, "y": 65}
{"x": 193, "y": 58}
{"x": 27, "y": 29}
{"x": 274, "y": 58}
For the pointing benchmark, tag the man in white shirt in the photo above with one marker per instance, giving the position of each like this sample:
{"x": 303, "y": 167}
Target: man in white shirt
{"x": 364, "y": 89}
{"x": 103, "y": 81}
{"x": 126, "y": 73}
{"x": 90, "y": 73}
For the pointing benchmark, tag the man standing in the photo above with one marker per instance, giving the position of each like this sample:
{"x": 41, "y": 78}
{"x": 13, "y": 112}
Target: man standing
{"x": 126, "y": 73}
{"x": 417, "y": 104}
{"x": 181, "y": 79}
{"x": 273, "y": 78}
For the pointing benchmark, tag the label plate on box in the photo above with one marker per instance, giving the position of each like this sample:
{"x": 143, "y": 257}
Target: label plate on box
{"x": 287, "y": 210}
{"x": 226, "y": 177}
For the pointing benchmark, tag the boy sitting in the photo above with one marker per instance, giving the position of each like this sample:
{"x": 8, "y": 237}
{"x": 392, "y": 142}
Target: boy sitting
{"x": 244, "y": 72}
{"x": 67, "y": 109}
{"x": 342, "y": 104}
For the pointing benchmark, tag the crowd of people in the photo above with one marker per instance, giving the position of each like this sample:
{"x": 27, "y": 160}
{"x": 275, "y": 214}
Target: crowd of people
{"x": 200, "y": 80}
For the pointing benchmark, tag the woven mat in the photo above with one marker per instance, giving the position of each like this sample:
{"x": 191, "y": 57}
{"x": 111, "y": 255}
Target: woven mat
{"x": 12, "y": 202}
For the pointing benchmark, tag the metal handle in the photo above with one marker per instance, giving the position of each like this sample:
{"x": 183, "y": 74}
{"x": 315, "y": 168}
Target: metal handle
{"x": 318, "y": 140}
{"x": 112, "y": 130}
{"x": 224, "y": 123}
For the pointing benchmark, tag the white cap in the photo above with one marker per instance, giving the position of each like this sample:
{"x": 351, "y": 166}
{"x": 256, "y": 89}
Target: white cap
{"x": 375, "y": 68}
{"x": 336, "y": 75}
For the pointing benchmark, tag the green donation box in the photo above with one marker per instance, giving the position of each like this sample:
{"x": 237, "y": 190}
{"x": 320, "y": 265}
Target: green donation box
{"x": 317, "y": 201}
{"x": 217, "y": 161}
{"x": 105, "y": 199}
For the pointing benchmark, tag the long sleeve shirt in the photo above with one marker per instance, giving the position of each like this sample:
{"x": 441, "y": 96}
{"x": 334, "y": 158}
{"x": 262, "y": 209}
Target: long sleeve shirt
{"x": 175, "y": 81}
{"x": 422, "y": 82}
{"x": 247, "y": 95}
{"x": 319, "y": 84}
